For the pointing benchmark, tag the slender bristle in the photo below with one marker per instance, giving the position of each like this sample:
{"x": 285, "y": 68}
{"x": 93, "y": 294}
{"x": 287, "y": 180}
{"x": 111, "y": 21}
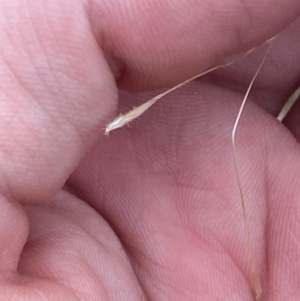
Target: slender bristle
{"x": 255, "y": 280}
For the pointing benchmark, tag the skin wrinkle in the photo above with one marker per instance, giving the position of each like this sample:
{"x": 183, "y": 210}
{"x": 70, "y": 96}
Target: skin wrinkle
{"x": 9, "y": 192}
{"x": 34, "y": 31}
{"x": 52, "y": 118}
{"x": 143, "y": 264}
{"x": 84, "y": 263}
{"x": 26, "y": 88}
{"x": 38, "y": 73}
{"x": 48, "y": 65}
{"x": 230, "y": 254}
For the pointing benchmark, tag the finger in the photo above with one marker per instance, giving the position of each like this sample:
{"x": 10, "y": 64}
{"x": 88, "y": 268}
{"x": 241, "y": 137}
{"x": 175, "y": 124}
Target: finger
{"x": 56, "y": 92}
{"x": 72, "y": 254}
{"x": 156, "y": 45}
{"x": 279, "y": 76}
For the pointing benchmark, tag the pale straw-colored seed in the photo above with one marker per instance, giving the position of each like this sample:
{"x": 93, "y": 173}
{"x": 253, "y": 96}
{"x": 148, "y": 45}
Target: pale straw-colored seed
{"x": 122, "y": 120}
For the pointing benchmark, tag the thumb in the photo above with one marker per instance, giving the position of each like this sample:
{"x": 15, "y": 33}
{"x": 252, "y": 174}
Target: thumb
{"x": 56, "y": 91}
{"x": 56, "y": 94}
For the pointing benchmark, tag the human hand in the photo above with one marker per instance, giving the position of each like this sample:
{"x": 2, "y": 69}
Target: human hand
{"x": 167, "y": 221}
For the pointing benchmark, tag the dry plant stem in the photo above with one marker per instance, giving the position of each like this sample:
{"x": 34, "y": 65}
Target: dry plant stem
{"x": 288, "y": 105}
{"x": 255, "y": 281}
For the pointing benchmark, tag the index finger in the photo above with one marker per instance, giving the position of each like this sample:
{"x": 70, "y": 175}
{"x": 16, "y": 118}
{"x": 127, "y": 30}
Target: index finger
{"x": 153, "y": 44}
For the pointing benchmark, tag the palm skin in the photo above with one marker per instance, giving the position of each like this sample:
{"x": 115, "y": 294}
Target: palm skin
{"x": 153, "y": 211}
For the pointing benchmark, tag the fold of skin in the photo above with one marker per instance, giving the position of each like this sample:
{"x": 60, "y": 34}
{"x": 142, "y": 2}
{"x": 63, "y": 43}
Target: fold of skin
{"x": 153, "y": 211}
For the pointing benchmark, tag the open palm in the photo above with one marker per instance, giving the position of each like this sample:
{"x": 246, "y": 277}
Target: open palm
{"x": 153, "y": 211}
